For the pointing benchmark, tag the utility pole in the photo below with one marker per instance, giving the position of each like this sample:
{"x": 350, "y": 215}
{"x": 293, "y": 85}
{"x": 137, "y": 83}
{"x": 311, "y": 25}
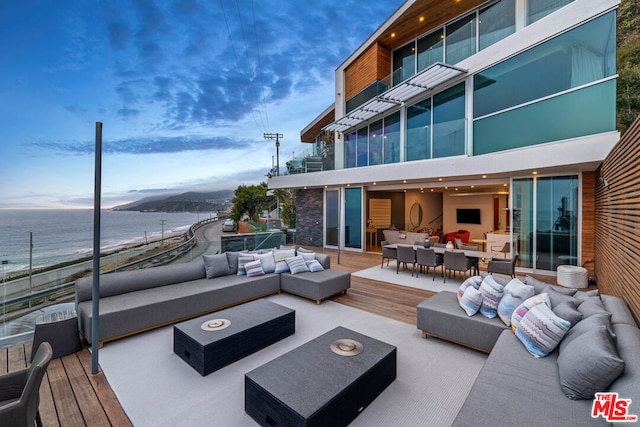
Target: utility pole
{"x": 277, "y": 137}
{"x": 162, "y": 222}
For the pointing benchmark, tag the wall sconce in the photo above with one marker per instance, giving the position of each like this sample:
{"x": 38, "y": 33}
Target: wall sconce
{"x": 604, "y": 182}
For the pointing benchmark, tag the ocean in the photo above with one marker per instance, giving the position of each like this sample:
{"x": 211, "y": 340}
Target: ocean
{"x": 65, "y": 235}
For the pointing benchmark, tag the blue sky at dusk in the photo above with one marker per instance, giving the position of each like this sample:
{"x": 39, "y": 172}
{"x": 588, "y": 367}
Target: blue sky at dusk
{"x": 185, "y": 89}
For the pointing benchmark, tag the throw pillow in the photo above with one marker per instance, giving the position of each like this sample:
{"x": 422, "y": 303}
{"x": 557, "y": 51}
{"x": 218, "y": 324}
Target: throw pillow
{"x": 523, "y": 308}
{"x": 491, "y": 294}
{"x": 556, "y": 297}
{"x": 592, "y": 306}
{"x": 215, "y": 265}
{"x": 232, "y": 259}
{"x": 254, "y": 268}
{"x": 583, "y": 296}
{"x": 586, "y": 324}
{"x": 541, "y": 330}
{"x": 568, "y": 311}
{"x": 589, "y": 365}
{"x": 267, "y": 261}
{"x": 474, "y": 281}
{"x": 314, "y": 266}
{"x": 297, "y": 264}
{"x": 515, "y": 293}
{"x": 540, "y": 286}
{"x": 471, "y": 301}
{"x": 279, "y": 257}
{"x": 308, "y": 256}
{"x": 242, "y": 260}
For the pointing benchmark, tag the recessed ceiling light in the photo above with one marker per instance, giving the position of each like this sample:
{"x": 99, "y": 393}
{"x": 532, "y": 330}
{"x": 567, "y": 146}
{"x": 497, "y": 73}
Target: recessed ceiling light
{"x": 432, "y": 189}
{"x": 473, "y": 186}
{"x": 446, "y": 188}
{"x": 393, "y": 34}
{"x": 504, "y": 185}
{"x": 304, "y": 188}
{"x": 404, "y": 181}
{"x": 375, "y": 183}
{"x": 439, "y": 179}
{"x": 484, "y": 176}
{"x": 535, "y": 172}
{"x": 422, "y": 19}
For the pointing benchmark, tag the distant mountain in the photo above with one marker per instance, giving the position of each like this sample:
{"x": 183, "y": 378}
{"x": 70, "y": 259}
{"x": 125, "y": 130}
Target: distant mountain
{"x": 186, "y": 202}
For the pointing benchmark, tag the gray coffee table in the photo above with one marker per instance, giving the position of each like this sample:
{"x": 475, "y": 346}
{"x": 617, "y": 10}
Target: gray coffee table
{"x": 216, "y": 340}
{"x": 312, "y": 385}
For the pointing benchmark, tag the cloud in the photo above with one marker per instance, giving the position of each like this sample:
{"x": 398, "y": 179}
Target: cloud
{"x": 146, "y": 145}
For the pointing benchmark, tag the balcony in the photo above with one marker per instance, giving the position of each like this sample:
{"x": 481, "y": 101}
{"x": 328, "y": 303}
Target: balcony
{"x": 317, "y": 158}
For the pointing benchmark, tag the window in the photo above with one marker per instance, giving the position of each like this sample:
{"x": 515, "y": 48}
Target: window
{"x": 332, "y": 198}
{"x": 375, "y": 143}
{"x": 448, "y": 122}
{"x": 418, "y": 144}
{"x": 404, "y": 63}
{"x": 582, "y": 56}
{"x": 430, "y": 49}
{"x": 496, "y": 22}
{"x": 392, "y": 138}
{"x": 350, "y": 148}
{"x": 363, "y": 147}
{"x": 353, "y": 217}
{"x": 461, "y": 39}
{"x": 538, "y": 9}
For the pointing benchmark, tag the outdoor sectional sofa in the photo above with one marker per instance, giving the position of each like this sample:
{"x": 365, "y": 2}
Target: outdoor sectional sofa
{"x": 513, "y": 387}
{"x": 140, "y": 300}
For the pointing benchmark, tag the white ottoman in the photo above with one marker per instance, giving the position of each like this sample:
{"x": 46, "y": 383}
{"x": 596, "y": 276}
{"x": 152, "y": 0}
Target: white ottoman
{"x": 572, "y": 276}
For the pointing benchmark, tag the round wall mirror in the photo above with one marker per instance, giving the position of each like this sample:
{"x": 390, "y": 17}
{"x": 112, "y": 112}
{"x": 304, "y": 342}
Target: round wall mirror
{"x": 415, "y": 215}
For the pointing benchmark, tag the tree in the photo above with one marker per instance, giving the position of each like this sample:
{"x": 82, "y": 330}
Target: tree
{"x": 628, "y": 102}
{"x": 287, "y": 200}
{"x": 250, "y": 200}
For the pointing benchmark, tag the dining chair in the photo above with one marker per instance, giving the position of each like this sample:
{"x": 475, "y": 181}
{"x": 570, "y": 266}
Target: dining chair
{"x": 474, "y": 260}
{"x": 388, "y": 253}
{"x": 458, "y": 242}
{"x": 456, "y": 261}
{"x": 406, "y": 255}
{"x": 428, "y": 258}
{"x": 505, "y": 249}
{"x": 503, "y": 266}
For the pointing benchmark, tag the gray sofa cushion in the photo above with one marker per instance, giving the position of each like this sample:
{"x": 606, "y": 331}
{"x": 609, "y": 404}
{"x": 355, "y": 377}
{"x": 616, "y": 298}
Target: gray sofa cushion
{"x": 135, "y": 311}
{"x": 215, "y": 265}
{"x": 589, "y": 364}
{"x": 441, "y": 316}
{"x": 620, "y": 312}
{"x": 514, "y": 388}
{"x": 131, "y": 281}
{"x": 317, "y": 286}
{"x": 628, "y": 384}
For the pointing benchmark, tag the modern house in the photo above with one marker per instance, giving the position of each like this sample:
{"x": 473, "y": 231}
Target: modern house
{"x": 487, "y": 116}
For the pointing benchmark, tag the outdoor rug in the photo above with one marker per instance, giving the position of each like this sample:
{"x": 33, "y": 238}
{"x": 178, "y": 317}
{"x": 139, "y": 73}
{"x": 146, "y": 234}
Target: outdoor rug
{"x": 403, "y": 278}
{"x": 157, "y": 388}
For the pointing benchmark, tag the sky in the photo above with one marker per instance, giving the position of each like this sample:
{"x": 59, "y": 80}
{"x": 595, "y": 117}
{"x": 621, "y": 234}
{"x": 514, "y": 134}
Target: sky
{"x": 185, "y": 89}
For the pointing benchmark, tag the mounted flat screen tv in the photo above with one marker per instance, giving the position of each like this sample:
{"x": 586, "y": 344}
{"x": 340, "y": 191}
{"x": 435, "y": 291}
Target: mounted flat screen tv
{"x": 468, "y": 216}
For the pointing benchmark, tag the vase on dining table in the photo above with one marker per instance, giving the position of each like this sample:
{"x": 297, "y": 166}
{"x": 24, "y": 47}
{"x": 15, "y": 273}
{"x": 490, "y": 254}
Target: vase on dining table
{"x": 449, "y": 246}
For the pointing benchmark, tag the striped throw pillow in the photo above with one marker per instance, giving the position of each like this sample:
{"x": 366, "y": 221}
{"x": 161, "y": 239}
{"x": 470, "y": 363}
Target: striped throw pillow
{"x": 314, "y": 266}
{"x": 474, "y": 281}
{"x": 523, "y": 308}
{"x": 471, "y": 301}
{"x": 491, "y": 292}
{"x": 541, "y": 330}
{"x": 297, "y": 264}
{"x": 515, "y": 293}
{"x": 254, "y": 268}
{"x": 243, "y": 259}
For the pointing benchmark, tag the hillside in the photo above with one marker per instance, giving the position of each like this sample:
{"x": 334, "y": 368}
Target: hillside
{"x": 185, "y": 202}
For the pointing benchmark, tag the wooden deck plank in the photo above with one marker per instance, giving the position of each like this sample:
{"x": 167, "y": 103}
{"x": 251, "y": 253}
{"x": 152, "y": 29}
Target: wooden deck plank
{"x": 88, "y": 401}
{"x": 107, "y": 397}
{"x": 69, "y": 413}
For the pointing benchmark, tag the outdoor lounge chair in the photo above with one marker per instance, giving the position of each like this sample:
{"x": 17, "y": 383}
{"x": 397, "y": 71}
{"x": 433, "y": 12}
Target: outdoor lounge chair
{"x": 20, "y": 391}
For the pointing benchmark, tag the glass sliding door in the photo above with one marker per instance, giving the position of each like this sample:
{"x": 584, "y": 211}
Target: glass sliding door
{"x": 331, "y": 214}
{"x": 418, "y": 144}
{"x": 375, "y": 143}
{"x": 556, "y": 222}
{"x": 545, "y": 221}
{"x": 353, "y": 218}
{"x": 392, "y": 138}
{"x": 522, "y": 211}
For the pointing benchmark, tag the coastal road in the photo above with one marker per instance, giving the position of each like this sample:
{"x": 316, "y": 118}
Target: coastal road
{"x": 208, "y": 238}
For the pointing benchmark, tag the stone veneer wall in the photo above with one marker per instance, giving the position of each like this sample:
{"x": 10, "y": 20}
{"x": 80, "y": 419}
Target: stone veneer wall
{"x": 309, "y": 217}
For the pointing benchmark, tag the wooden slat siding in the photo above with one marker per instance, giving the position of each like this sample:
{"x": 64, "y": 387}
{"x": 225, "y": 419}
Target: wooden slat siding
{"x": 588, "y": 220}
{"x": 617, "y": 214}
{"x": 374, "y": 64}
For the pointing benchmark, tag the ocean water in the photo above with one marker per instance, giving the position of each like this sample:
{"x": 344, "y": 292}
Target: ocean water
{"x": 64, "y": 235}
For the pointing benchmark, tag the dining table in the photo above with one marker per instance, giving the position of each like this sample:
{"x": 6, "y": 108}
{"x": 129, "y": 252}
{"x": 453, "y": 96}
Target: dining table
{"x": 440, "y": 250}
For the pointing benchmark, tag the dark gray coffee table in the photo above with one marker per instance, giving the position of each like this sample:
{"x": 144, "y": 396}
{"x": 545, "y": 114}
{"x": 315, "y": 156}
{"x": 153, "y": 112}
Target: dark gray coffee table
{"x": 312, "y": 385}
{"x": 251, "y": 327}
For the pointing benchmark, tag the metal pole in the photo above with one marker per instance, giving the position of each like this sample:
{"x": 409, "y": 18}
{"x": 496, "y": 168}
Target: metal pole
{"x": 30, "y": 265}
{"x": 339, "y": 213}
{"x": 95, "y": 321}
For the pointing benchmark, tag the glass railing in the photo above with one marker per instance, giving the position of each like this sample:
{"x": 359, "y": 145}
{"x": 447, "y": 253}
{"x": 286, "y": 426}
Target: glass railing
{"x": 314, "y": 158}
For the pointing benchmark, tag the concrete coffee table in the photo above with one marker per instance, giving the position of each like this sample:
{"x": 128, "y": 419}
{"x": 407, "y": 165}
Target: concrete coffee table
{"x": 327, "y": 381}
{"x": 216, "y": 340}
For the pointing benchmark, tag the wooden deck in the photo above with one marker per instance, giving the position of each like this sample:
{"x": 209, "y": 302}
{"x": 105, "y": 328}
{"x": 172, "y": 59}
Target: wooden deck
{"x": 71, "y": 396}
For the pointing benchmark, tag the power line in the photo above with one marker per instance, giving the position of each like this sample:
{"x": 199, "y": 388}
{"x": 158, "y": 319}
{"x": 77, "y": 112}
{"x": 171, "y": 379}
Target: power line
{"x": 255, "y": 32}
